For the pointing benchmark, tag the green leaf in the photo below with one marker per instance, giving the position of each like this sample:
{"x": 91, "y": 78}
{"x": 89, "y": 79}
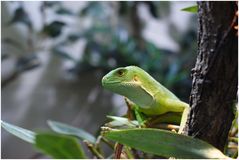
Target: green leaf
{"x": 21, "y": 133}
{"x": 164, "y": 143}
{"x": 192, "y": 9}
{"x": 59, "y": 146}
{"x": 70, "y": 130}
{"x": 121, "y": 122}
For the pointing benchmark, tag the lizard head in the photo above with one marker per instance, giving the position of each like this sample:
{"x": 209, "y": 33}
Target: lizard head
{"x": 127, "y": 81}
{"x": 119, "y": 79}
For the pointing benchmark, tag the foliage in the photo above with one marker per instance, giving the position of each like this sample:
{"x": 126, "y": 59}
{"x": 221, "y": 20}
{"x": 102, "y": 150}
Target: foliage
{"x": 154, "y": 142}
{"x": 53, "y": 29}
{"x": 193, "y": 9}
{"x": 52, "y": 144}
{"x": 21, "y": 133}
{"x": 20, "y": 16}
{"x": 69, "y": 130}
{"x": 164, "y": 143}
{"x": 108, "y": 46}
{"x": 59, "y": 146}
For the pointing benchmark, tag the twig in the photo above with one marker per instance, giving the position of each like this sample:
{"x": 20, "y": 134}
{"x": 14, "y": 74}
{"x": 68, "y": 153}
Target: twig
{"x": 168, "y": 126}
{"x": 232, "y": 147}
{"x": 235, "y": 155}
{"x": 97, "y": 144}
{"x": 118, "y": 150}
{"x": 233, "y": 132}
{"x": 108, "y": 143}
{"x": 93, "y": 150}
{"x": 233, "y": 139}
{"x": 128, "y": 153}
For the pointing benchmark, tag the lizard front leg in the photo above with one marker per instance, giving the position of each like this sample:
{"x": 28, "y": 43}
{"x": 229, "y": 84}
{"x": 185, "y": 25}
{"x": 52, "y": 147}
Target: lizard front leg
{"x": 137, "y": 114}
{"x": 179, "y": 106}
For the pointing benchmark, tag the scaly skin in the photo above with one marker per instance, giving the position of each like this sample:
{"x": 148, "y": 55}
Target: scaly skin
{"x": 150, "y": 96}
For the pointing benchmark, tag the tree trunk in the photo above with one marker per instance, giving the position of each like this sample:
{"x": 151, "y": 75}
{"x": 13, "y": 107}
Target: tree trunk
{"x": 215, "y": 75}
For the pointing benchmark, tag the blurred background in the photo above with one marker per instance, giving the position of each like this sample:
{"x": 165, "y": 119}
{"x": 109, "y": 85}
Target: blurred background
{"x": 54, "y": 54}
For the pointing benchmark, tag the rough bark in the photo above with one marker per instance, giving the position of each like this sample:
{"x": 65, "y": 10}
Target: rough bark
{"x": 215, "y": 74}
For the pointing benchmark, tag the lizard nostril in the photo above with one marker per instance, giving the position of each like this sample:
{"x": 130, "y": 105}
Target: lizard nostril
{"x": 104, "y": 79}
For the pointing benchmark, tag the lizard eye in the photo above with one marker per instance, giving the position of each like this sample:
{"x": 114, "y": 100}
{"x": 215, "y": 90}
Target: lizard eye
{"x": 121, "y": 72}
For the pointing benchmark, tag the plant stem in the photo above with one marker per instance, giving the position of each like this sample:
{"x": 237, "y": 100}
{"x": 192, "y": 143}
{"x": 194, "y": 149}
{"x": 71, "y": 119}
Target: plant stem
{"x": 128, "y": 152}
{"x": 235, "y": 155}
{"x": 93, "y": 149}
{"x": 233, "y": 139}
{"x": 97, "y": 144}
{"x": 118, "y": 150}
{"x": 108, "y": 143}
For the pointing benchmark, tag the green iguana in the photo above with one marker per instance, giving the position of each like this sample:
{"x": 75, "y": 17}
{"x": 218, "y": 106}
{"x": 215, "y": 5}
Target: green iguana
{"x": 148, "y": 95}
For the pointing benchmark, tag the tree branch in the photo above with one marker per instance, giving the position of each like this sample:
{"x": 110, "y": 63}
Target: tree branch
{"x": 214, "y": 85}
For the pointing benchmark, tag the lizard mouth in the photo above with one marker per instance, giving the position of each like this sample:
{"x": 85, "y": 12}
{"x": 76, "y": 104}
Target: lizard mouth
{"x": 106, "y": 81}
